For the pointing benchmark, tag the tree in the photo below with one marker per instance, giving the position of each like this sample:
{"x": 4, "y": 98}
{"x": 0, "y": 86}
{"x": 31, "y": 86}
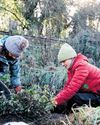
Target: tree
{"x": 12, "y": 10}
{"x": 87, "y": 17}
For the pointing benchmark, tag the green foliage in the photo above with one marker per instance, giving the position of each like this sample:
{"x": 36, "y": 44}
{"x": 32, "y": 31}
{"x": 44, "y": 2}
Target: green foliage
{"x": 10, "y": 13}
{"x": 38, "y": 64}
{"x": 53, "y": 76}
{"x": 32, "y": 104}
{"x": 87, "y": 42}
{"x": 42, "y": 94}
{"x": 6, "y": 79}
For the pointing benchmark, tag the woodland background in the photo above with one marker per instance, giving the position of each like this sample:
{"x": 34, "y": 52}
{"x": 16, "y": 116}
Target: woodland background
{"x": 47, "y": 24}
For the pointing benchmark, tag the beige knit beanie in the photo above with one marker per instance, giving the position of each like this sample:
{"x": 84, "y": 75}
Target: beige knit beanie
{"x": 66, "y": 52}
{"x": 16, "y": 44}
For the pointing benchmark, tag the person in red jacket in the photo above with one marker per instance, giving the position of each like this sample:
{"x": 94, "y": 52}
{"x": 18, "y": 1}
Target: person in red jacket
{"x": 83, "y": 83}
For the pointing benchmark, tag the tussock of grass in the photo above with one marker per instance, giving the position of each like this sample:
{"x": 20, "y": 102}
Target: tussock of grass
{"x": 86, "y": 115}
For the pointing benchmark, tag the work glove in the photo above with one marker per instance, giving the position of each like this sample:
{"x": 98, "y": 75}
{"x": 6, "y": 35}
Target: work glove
{"x": 18, "y": 89}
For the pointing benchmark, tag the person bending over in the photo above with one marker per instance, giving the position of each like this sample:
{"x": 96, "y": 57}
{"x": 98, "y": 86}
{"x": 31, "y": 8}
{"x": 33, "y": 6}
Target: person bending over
{"x": 11, "y": 49}
{"x": 83, "y": 83}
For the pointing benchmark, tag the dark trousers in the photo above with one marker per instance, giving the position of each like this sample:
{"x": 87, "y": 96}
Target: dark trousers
{"x": 79, "y": 99}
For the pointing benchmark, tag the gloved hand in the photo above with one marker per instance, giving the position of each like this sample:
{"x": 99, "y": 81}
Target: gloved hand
{"x": 54, "y": 102}
{"x": 18, "y": 89}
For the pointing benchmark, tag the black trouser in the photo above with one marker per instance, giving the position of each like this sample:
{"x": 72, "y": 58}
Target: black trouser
{"x": 79, "y": 99}
{"x": 85, "y": 98}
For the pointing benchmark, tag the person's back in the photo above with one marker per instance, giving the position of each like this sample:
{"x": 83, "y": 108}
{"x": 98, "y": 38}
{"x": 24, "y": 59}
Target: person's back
{"x": 11, "y": 48}
{"x": 91, "y": 82}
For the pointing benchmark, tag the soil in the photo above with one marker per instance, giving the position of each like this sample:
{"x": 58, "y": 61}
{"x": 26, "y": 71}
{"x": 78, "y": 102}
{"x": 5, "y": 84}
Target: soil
{"x": 8, "y": 118}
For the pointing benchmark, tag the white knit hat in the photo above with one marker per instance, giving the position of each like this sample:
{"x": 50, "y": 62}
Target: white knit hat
{"x": 16, "y": 44}
{"x": 66, "y": 52}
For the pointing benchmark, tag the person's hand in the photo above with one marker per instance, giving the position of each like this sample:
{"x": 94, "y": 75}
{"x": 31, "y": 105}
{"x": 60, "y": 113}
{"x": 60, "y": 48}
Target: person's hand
{"x": 54, "y": 102}
{"x": 18, "y": 89}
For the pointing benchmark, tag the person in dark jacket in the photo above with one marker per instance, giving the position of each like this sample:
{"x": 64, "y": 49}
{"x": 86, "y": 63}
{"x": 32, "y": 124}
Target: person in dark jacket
{"x": 11, "y": 49}
{"x": 83, "y": 83}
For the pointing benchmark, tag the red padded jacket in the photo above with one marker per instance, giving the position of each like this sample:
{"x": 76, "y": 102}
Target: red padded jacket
{"x": 81, "y": 76}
